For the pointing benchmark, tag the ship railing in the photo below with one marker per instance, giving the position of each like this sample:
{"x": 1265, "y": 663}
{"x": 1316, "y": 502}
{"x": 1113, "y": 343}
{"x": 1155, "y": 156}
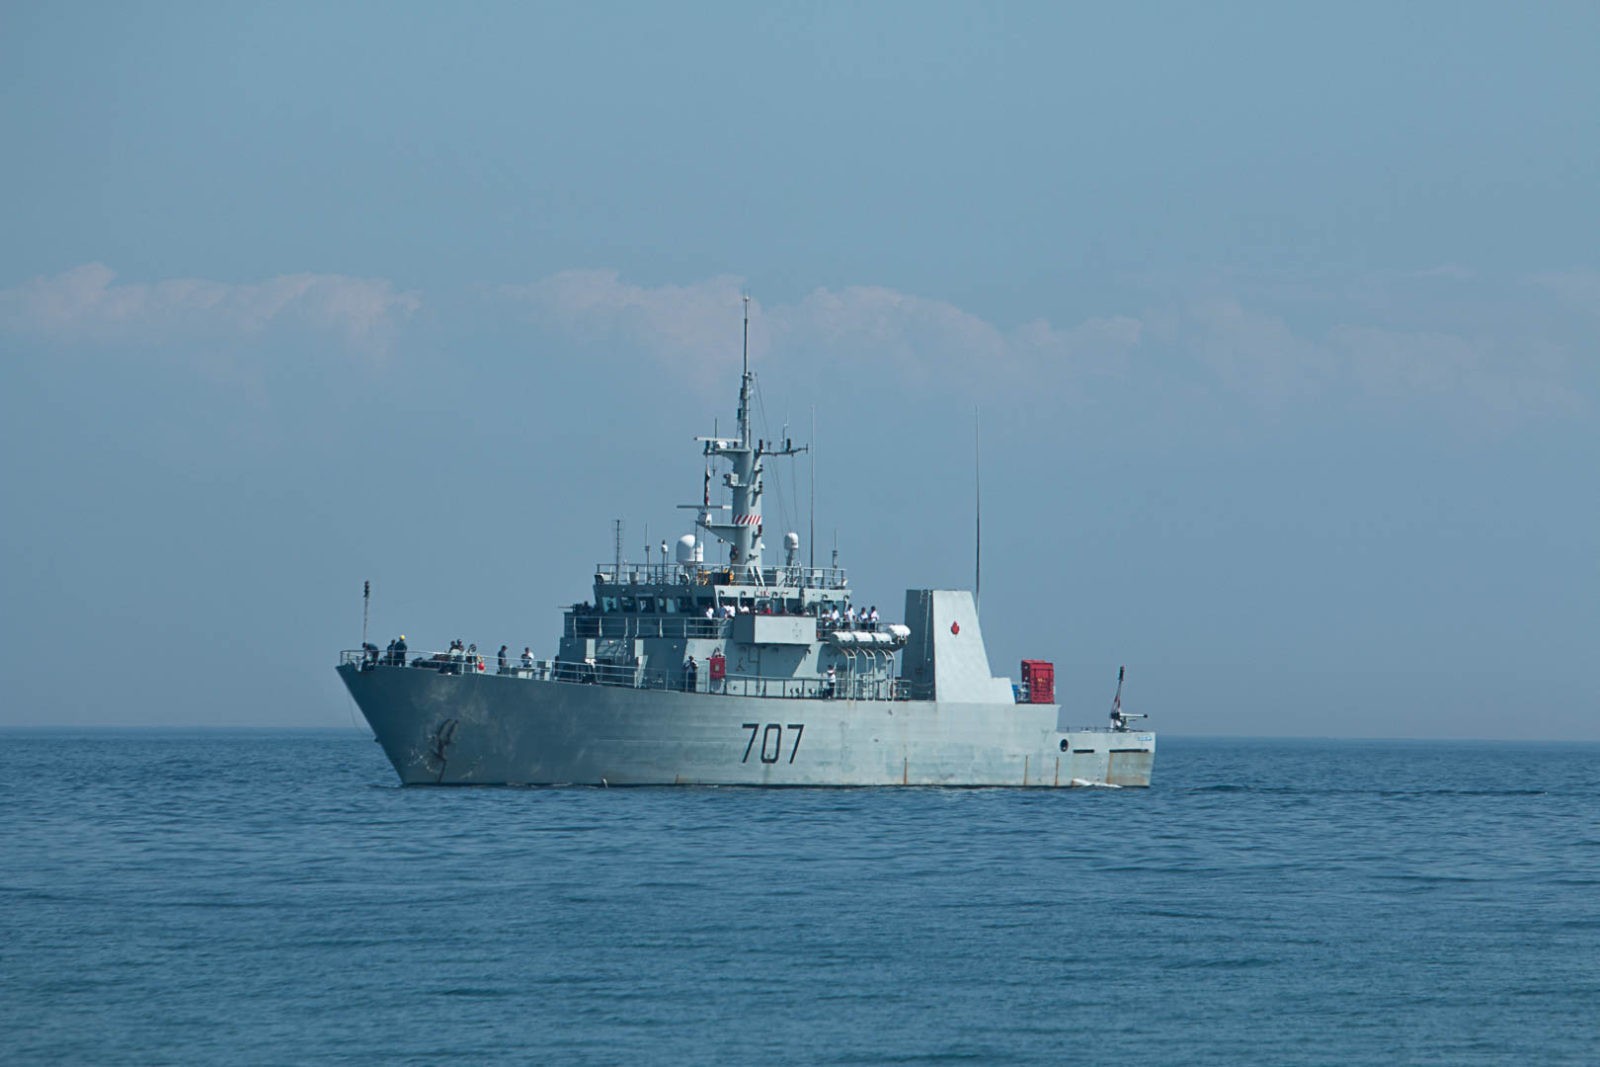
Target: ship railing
{"x": 453, "y": 662}
{"x": 626, "y": 625}
{"x": 700, "y": 681}
{"x": 372, "y": 656}
{"x": 623, "y": 675}
{"x": 844, "y": 687}
{"x": 1104, "y": 728}
{"x": 687, "y": 574}
{"x": 450, "y": 661}
{"x": 622, "y": 625}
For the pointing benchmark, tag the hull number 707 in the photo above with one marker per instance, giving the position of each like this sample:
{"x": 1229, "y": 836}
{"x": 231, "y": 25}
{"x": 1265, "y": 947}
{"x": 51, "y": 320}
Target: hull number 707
{"x": 771, "y": 734}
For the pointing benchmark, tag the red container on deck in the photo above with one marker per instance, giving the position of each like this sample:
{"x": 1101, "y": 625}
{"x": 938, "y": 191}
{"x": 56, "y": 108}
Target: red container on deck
{"x": 1039, "y": 675}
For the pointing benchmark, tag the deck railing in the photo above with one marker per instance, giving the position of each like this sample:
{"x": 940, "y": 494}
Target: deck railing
{"x": 628, "y": 625}
{"x": 619, "y": 624}
{"x": 686, "y": 574}
{"x": 846, "y": 686}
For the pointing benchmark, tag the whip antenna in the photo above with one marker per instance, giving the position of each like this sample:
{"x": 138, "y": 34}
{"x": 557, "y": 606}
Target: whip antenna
{"x": 977, "y": 511}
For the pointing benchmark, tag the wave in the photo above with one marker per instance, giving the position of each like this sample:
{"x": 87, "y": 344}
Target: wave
{"x": 1231, "y": 787}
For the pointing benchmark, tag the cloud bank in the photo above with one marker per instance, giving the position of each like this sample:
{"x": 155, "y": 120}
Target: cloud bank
{"x": 1220, "y": 345}
{"x": 1439, "y": 348}
{"x": 88, "y": 304}
{"x": 688, "y": 327}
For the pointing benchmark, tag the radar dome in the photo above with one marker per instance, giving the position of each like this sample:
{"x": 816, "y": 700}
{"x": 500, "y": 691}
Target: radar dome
{"x": 791, "y": 541}
{"x": 686, "y": 545}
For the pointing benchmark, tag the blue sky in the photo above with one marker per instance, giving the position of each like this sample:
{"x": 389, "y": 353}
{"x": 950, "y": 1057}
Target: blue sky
{"x": 1281, "y": 320}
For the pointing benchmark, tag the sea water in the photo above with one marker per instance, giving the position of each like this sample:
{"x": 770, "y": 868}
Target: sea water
{"x": 275, "y": 897}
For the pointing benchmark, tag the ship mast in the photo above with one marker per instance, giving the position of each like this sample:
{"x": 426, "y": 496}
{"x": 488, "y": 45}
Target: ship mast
{"x": 746, "y": 476}
{"x": 744, "y": 379}
{"x": 743, "y": 531}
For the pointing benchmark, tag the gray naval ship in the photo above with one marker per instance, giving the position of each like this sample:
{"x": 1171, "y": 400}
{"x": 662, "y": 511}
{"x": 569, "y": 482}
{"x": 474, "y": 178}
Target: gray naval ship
{"x": 683, "y": 672}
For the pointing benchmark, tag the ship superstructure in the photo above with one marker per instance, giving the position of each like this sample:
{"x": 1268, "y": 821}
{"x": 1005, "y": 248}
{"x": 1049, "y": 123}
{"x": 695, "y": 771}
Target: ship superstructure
{"x": 739, "y": 672}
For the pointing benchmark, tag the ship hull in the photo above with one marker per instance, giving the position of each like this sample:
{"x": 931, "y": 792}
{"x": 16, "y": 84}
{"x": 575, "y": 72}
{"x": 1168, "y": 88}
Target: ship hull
{"x": 490, "y": 729}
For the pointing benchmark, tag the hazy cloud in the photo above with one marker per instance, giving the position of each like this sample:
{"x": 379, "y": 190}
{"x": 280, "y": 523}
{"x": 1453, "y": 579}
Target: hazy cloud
{"x": 1228, "y": 344}
{"x": 688, "y": 326}
{"x": 1400, "y": 364}
{"x": 87, "y": 303}
{"x": 683, "y": 325}
{"x": 1245, "y": 350}
{"x": 1577, "y": 288}
{"x": 1224, "y": 343}
{"x": 874, "y": 322}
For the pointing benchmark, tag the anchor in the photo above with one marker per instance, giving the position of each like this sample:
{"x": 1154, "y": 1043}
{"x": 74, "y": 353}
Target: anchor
{"x": 444, "y": 735}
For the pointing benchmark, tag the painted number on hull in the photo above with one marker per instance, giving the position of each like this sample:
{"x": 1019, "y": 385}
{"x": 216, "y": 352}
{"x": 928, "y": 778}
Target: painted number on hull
{"x": 771, "y": 735}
